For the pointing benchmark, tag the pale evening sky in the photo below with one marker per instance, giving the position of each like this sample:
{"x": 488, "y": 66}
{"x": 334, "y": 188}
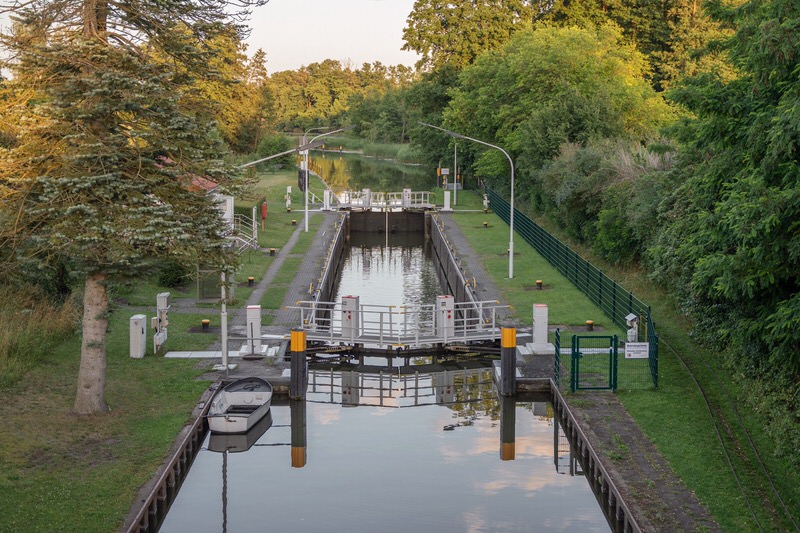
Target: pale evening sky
{"x": 296, "y": 33}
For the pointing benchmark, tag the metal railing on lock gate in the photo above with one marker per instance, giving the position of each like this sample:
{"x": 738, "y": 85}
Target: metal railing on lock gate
{"x": 406, "y": 325}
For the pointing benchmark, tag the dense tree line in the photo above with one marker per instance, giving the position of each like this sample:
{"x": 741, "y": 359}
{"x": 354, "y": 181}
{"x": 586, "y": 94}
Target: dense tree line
{"x": 660, "y": 133}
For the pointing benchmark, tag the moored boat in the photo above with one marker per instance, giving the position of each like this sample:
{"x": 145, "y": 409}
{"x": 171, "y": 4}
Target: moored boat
{"x": 238, "y": 406}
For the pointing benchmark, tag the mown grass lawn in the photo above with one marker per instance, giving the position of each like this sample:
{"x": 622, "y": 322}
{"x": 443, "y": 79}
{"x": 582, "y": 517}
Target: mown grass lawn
{"x": 61, "y": 472}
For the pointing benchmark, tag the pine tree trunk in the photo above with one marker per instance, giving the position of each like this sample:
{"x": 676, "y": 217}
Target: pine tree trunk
{"x": 95, "y": 13}
{"x": 90, "y": 398}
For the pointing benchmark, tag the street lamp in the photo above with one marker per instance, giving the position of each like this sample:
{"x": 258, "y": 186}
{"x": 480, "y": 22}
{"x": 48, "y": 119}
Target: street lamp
{"x": 511, "y": 223}
{"x": 305, "y": 161}
{"x": 273, "y": 156}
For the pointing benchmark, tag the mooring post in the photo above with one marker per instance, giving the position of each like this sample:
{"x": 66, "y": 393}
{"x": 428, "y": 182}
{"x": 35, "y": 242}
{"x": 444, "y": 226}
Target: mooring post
{"x": 299, "y": 366}
{"x": 297, "y": 409}
{"x": 508, "y": 422}
{"x": 508, "y": 361}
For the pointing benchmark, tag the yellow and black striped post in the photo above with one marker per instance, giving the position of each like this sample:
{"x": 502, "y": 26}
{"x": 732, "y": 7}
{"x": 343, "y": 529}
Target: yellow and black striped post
{"x": 508, "y": 361}
{"x": 299, "y": 366}
{"x": 298, "y": 416}
{"x": 508, "y": 421}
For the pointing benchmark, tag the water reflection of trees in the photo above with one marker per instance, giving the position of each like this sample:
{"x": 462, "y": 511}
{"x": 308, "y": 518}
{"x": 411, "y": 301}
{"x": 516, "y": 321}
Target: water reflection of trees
{"x": 354, "y": 172}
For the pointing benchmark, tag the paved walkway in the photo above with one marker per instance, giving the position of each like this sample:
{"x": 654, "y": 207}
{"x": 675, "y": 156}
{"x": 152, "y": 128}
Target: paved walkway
{"x": 308, "y": 272}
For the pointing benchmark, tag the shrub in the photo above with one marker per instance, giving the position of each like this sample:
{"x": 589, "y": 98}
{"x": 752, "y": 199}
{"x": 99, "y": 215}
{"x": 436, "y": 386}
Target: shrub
{"x": 173, "y": 274}
{"x": 32, "y": 324}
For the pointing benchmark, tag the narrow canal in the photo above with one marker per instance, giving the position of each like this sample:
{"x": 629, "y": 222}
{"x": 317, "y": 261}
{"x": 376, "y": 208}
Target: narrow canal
{"x": 423, "y": 446}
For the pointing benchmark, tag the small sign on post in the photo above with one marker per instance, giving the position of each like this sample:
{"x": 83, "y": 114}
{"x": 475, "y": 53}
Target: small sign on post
{"x": 637, "y": 350}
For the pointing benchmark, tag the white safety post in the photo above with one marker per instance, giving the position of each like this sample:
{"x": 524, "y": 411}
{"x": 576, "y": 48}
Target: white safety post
{"x": 254, "y": 329}
{"x": 138, "y": 340}
{"x": 445, "y": 304}
{"x": 350, "y": 312}
{"x": 161, "y": 321}
{"x": 540, "y": 330}
{"x": 447, "y": 201}
{"x": 406, "y": 198}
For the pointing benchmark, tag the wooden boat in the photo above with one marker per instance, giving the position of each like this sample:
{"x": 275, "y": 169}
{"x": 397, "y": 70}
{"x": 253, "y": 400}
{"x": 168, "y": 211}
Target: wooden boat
{"x": 237, "y": 407}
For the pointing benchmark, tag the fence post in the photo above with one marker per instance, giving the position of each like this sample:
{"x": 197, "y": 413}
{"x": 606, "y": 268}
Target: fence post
{"x": 573, "y": 363}
{"x": 614, "y": 371}
{"x": 600, "y": 288}
{"x": 614, "y": 302}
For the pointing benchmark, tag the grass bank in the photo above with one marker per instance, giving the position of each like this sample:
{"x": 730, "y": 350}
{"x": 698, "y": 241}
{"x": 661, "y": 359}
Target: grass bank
{"x": 61, "y": 472}
{"x": 694, "y": 417}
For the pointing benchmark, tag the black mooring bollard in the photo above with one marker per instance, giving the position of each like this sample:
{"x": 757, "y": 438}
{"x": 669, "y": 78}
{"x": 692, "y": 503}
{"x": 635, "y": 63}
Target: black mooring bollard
{"x": 299, "y": 366}
{"x": 508, "y": 361}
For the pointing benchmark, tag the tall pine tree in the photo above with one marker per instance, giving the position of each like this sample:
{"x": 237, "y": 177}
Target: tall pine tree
{"x": 101, "y": 173}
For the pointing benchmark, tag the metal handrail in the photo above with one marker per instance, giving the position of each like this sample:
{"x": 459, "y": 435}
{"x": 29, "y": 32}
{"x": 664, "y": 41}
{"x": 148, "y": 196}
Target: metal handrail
{"x": 403, "y": 325}
{"x": 384, "y": 200}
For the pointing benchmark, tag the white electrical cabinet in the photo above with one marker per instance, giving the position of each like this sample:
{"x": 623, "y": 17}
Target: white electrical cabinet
{"x": 138, "y": 336}
{"x": 254, "y": 329}
{"x": 446, "y": 319}
{"x": 350, "y": 305}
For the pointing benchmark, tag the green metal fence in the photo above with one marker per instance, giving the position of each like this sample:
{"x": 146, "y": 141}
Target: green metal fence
{"x": 593, "y": 363}
{"x": 616, "y": 302}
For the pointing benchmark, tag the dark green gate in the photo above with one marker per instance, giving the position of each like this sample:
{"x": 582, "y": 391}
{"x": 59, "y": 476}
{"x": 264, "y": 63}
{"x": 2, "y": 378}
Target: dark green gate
{"x": 594, "y": 363}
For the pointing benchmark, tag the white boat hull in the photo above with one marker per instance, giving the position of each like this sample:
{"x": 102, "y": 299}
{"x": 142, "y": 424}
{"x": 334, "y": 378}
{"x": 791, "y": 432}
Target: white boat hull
{"x": 239, "y": 406}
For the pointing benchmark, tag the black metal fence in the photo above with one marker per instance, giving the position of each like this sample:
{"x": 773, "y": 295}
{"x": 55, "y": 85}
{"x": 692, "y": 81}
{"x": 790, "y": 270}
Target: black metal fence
{"x": 620, "y": 305}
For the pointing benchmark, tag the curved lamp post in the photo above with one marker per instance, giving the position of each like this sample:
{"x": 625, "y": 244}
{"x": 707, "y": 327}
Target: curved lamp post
{"x": 305, "y": 161}
{"x": 511, "y": 224}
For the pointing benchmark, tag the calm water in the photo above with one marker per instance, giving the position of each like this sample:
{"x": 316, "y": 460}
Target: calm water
{"x": 351, "y": 172}
{"x": 371, "y": 469}
{"x": 397, "y": 274}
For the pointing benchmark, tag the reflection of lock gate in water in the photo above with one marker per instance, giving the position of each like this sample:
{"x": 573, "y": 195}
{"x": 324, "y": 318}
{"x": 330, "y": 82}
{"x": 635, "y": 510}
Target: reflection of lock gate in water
{"x": 406, "y": 386}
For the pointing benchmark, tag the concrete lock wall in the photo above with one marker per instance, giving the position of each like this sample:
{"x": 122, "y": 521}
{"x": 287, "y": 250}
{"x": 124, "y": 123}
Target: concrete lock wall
{"x": 451, "y": 277}
{"x": 330, "y": 273}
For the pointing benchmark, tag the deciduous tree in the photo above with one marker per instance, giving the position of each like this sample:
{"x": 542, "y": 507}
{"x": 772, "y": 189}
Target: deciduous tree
{"x": 551, "y": 86}
{"x": 731, "y": 236}
{"x": 456, "y": 32}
